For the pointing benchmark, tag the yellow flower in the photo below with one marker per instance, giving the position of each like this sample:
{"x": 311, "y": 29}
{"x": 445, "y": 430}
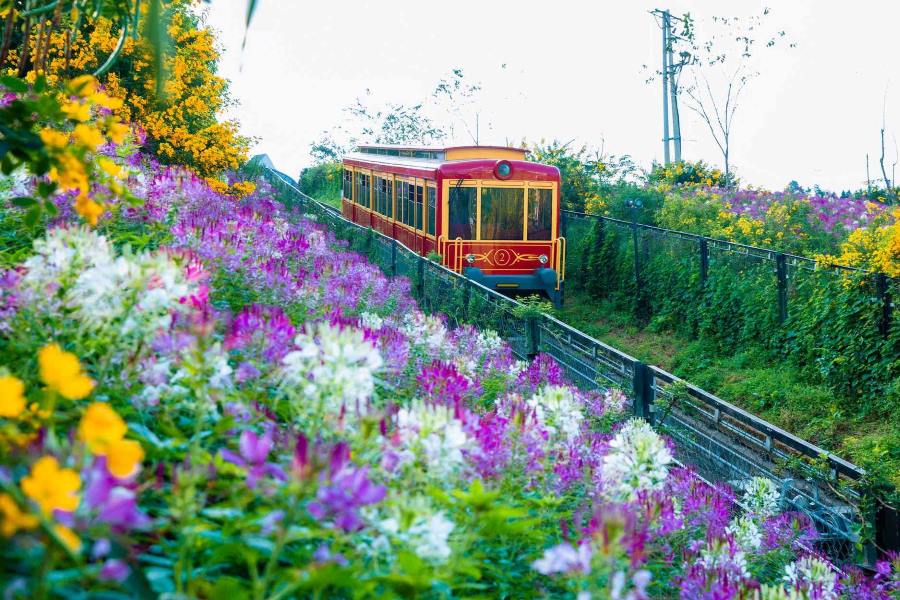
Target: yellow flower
{"x": 83, "y": 86}
{"x": 88, "y": 136}
{"x": 117, "y": 132}
{"x": 124, "y": 457}
{"x": 62, "y": 372}
{"x": 51, "y": 487}
{"x": 53, "y": 138}
{"x": 101, "y": 426}
{"x": 12, "y": 519}
{"x": 68, "y": 537}
{"x": 109, "y": 166}
{"x": 89, "y": 210}
{"x": 12, "y": 396}
{"x": 105, "y": 101}
{"x": 69, "y": 173}
{"x": 77, "y": 111}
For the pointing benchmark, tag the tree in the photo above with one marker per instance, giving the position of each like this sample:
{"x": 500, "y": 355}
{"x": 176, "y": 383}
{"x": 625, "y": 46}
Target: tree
{"x": 720, "y": 66}
{"x": 398, "y": 123}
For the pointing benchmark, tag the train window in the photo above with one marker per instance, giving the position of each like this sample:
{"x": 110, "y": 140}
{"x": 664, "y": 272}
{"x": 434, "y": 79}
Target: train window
{"x": 378, "y": 196}
{"x": 418, "y": 213}
{"x": 348, "y": 184}
{"x": 462, "y": 212}
{"x": 432, "y": 194}
{"x": 362, "y": 190}
{"x": 384, "y": 201}
{"x": 502, "y": 211}
{"x": 389, "y": 198}
{"x": 402, "y": 202}
{"x": 540, "y": 213}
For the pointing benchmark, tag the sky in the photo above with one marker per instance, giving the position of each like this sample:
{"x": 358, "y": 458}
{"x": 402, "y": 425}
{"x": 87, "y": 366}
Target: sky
{"x": 572, "y": 71}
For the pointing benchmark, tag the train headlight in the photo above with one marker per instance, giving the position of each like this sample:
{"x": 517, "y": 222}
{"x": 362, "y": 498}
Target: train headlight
{"x": 543, "y": 259}
{"x": 470, "y": 258}
{"x": 503, "y": 170}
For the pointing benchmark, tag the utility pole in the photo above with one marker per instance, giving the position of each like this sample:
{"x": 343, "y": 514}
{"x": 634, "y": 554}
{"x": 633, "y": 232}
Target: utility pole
{"x": 665, "y": 85}
{"x": 673, "y": 89}
{"x": 670, "y": 71}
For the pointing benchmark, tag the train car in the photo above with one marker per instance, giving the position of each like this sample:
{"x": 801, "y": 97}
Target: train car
{"x": 488, "y": 212}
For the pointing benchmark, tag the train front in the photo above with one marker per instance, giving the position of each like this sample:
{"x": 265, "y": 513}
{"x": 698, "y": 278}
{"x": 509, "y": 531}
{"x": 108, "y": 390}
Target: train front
{"x": 501, "y": 221}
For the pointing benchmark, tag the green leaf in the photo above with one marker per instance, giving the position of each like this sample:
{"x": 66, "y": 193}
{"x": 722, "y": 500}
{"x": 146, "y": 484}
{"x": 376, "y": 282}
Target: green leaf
{"x": 45, "y": 188}
{"x": 50, "y": 207}
{"x": 40, "y": 84}
{"x": 14, "y": 84}
{"x": 23, "y": 201}
{"x": 32, "y": 216}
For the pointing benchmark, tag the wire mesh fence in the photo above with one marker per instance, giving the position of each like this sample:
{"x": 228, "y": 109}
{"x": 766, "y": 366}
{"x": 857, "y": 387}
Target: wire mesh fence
{"x": 722, "y": 442}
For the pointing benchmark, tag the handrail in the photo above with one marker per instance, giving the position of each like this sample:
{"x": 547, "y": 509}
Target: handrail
{"x": 718, "y": 241}
{"x": 768, "y": 429}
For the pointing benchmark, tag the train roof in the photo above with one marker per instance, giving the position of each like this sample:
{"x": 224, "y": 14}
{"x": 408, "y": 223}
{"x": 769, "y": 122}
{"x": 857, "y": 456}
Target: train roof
{"x": 442, "y": 153}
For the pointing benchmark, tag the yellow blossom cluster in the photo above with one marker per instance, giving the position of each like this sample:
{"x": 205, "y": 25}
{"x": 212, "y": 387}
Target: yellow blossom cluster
{"x": 49, "y": 485}
{"x": 182, "y": 128}
{"x": 72, "y": 151}
{"x": 873, "y": 249}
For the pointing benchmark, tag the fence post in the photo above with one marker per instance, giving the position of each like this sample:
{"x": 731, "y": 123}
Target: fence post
{"x": 643, "y": 392}
{"x": 393, "y": 257}
{"x": 467, "y": 292}
{"x": 420, "y": 284}
{"x": 704, "y": 262}
{"x": 781, "y": 275}
{"x": 534, "y": 331}
{"x": 885, "y": 304}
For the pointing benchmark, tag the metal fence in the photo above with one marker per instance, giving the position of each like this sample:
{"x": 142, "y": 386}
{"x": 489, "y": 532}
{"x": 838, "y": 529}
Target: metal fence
{"x": 721, "y": 441}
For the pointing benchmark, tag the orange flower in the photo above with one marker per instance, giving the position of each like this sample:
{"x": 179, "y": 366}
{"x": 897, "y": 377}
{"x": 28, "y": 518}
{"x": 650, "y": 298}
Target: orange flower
{"x": 62, "y": 373}
{"x": 100, "y": 427}
{"x": 12, "y": 396}
{"x": 51, "y": 487}
{"x": 12, "y": 519}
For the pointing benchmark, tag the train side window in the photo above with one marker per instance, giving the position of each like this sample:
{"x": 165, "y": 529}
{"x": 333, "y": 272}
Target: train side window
{"x": 418, "y": 208}
{"x": 432, "y": 206}
{"x": 348, "y": 184}
{"x": 362, "y": 190}
{"x": 389, "y": 199}
{"x": 540, "y": 213}
{"x": 401, "y": 194}
{"x": 462, "y": 212}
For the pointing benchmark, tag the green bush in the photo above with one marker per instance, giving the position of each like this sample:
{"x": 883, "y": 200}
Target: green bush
{"x": 322, "y": 182}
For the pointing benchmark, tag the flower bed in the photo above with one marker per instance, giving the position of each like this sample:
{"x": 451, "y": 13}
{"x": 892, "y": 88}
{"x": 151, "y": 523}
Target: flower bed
{"x": 214, "y": 397}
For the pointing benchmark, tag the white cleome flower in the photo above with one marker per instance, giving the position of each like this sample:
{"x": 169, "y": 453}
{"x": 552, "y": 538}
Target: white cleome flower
{"x": 334, "y": 365}
{"x": 761, "y": 497}
{"x": 431, "y": 433}
{"x": 429, "y": 537}
{"x": 558, "y": 410}
{"x": 746, "y": 533}
{"x": 371, "y": 321}
{"x": 638, "y": 459}
{"x": 62, "y": 255}
{"x": 425, "y": 330}
{"x": 129, "y": 294}
{"x": 813, "y": 576}
{"x": 563, "y": 558}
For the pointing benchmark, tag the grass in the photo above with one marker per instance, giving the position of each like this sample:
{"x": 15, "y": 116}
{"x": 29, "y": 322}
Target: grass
{"x": 752, "y": 379}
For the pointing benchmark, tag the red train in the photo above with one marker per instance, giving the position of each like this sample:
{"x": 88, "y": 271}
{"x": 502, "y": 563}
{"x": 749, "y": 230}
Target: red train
{"x": 489, "y": 213}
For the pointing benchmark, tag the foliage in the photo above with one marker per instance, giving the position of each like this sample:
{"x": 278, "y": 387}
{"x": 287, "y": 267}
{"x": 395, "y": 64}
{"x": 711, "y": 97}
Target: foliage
{"x": 180, "y": 118}
{"x": 255, "y": 411}
{"x": 323, "y": 182}
{"x": 686, "y": 173}
{"x": 432, "y": 120}
{"x": 62, "y": 140}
